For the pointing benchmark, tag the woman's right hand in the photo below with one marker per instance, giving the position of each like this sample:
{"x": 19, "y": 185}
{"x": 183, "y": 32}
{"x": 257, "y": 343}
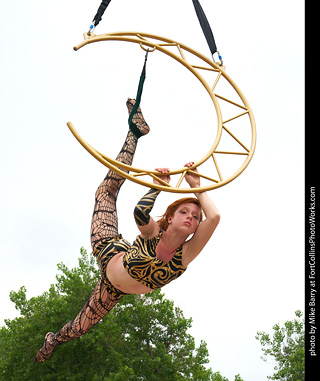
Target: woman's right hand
{"x": 164, "y": 176}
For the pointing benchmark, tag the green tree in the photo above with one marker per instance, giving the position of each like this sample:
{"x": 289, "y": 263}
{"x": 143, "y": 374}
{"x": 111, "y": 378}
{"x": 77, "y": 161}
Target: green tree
{"x": 218, "y": 377}
{"x": 143, "y": 338}
{"x": 287, "y": 348}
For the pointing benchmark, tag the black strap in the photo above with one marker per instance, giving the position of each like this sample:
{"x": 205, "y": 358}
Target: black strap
{"x": 103, "y": 6}
{"x": 205, "y": 26}
{"x": 133, "y": 126}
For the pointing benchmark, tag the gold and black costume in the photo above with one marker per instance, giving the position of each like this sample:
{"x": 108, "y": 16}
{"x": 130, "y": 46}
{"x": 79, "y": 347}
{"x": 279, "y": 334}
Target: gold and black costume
{"x": 143, "y": 265}
{"x": 140, "y": 261}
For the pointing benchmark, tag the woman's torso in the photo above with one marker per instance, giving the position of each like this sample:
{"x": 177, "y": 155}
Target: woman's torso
{"x": 141, "y": 262}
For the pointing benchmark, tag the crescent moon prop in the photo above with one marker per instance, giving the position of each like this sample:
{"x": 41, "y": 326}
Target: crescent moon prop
{"x": 215, "y": 155}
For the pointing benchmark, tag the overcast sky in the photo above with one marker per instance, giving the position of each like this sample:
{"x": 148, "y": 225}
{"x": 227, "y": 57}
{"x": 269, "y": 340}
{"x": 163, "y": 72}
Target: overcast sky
{"x": 251, "y": 274}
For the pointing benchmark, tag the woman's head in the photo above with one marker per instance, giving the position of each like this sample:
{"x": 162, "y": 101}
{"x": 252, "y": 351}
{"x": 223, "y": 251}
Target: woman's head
{"x": 172, "y": 208}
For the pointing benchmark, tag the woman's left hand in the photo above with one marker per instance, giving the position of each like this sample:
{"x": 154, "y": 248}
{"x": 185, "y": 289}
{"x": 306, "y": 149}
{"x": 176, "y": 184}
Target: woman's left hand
{"x": 192, "y": 179}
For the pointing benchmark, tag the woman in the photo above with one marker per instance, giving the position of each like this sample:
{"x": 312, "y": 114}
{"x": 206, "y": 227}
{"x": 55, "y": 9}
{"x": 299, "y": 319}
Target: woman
{"x": 160, "y": 254}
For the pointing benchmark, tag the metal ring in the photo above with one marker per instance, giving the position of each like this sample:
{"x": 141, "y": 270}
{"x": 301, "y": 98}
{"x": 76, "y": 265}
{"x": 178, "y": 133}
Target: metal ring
{"x": 147, "y": 50}
{"x": 244, "y": 151}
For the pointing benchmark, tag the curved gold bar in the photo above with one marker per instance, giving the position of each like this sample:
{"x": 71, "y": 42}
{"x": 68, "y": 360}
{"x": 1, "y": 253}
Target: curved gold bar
{"x": 160, "y": 44}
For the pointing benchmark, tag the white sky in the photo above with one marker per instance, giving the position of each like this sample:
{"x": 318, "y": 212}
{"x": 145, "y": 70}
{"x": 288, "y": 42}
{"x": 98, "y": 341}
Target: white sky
{"x": 251, "y": 274}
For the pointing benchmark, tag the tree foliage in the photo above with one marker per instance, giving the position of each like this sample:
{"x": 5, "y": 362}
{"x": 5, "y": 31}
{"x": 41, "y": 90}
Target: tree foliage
{"x": 145, "y": 337}
{"x": 287, "y": 348}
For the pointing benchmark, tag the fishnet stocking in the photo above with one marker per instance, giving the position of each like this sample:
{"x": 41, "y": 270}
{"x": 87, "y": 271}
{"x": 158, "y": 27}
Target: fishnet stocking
{"x": 98, "y": 305}
{"x": 104, "y": 225}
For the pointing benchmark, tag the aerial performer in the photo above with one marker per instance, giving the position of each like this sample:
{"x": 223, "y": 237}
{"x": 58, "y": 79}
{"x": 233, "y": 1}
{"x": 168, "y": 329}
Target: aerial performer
{"x": 161, "y": 252}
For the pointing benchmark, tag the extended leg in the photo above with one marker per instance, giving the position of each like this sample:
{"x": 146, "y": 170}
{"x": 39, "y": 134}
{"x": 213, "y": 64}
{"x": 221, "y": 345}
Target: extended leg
{"x": 104, "y": 225}
{"x": 98, "y": 305}
{"x": 104, "y": 220}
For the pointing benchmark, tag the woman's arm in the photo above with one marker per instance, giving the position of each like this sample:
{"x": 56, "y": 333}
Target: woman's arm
{"x": 146, "y": 224}
{"x": 206, "y": 228}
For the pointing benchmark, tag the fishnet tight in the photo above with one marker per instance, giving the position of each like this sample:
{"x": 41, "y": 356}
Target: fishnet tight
{"x": 98, "y": 305}
{"x": 104, "y": 225}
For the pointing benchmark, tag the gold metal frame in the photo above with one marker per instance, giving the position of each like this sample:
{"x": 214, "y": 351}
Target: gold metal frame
{"x": 153, "y": 42}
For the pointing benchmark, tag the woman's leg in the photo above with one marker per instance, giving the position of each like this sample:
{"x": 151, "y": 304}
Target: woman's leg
{"x": 98, "y": 305}
{"x": 104, "y": 225}
{"x": 104, "y": 220}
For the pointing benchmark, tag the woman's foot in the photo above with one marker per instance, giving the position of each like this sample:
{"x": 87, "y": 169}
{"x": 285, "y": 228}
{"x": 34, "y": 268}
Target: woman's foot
{"x": 45, "y": 352}
{"x": 137, "y": 118}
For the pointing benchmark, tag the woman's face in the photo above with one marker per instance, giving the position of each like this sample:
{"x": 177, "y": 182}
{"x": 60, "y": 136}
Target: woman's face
{"x": 186, "y": 218}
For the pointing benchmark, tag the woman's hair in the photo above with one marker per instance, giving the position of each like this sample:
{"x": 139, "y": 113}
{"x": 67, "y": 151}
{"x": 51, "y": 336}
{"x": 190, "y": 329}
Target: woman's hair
{"x": 163, "y": 222}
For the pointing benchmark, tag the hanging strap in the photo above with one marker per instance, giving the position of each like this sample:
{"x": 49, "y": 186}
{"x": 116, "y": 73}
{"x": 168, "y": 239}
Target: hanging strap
{"x": 133, "y": 126}
{"x": 97, "y": 18}
{"x": 205, "y": 27}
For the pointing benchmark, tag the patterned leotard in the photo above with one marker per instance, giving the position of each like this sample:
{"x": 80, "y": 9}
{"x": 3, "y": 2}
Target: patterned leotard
{"x": 140, "y": 261}
{"x": 142, "y": 264}
{"x": 104, "y": 252}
